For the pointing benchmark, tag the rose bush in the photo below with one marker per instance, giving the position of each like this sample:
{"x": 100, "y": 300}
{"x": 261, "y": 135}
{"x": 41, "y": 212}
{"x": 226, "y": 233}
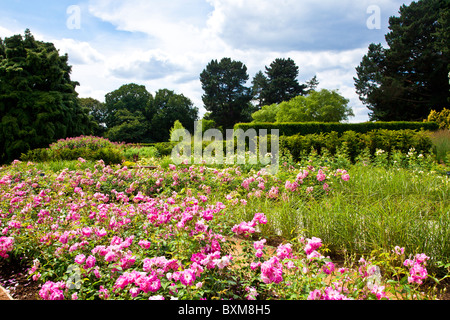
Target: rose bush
{"x": 114, "y": 233}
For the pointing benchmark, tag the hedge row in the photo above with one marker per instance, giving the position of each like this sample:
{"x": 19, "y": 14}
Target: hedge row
{"x": 355, "y": 143}
{"x": 304, "y": 128}
{"x": 387, "y": 140}
{"x": 297, "y": 145}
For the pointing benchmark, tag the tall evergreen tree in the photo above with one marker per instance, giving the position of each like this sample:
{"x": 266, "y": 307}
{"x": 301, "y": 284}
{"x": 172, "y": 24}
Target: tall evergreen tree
{"x": 259, "y": 85}
{"x": 38, "y": 101}
{"x": 282, "y": 83}
{"x": 409, "y": 78}
{"x": 226, "y": 95}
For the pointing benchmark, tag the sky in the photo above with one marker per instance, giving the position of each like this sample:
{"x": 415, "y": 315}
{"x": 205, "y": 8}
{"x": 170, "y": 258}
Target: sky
{"x": 166, "y": 44}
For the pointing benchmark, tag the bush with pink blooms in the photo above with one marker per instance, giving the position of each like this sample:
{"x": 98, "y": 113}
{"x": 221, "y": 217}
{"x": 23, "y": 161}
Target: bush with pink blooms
{"x": 188, "y": 232}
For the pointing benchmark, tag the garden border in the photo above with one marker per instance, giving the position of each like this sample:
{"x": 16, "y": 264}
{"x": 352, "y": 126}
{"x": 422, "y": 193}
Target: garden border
{"x": 4, "y": 292}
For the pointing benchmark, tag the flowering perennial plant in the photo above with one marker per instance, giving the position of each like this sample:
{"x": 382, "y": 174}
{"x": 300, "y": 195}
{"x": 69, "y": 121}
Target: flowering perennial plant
{"x": 168, "y": 234}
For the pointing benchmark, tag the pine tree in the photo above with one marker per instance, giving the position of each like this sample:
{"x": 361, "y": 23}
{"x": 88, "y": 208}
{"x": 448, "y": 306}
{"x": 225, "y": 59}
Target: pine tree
{"x": 409, "y": 78}
{"x": 282, "y": 83}
{"x": 226, "y": 96}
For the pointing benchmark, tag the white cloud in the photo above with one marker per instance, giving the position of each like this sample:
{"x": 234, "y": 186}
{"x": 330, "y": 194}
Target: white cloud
{"x": 79, "y": 52}
{"x": 4, "y": 32}
{"x": 167, "y": 44}
{"x": 325, "y": 38}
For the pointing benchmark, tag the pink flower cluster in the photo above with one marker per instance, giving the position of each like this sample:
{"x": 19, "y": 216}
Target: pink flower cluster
{"x": 6, "y": 245}
{"x": 291, "y": 186}
{"x": 259, "y": 246}
{"x": 418, "y": 271}
{"x": 161, "y": 264}
{"x": 272, "y": 271}
{"x": 90, "y": 261}
{"x": 52, "y": 291}
{"x": 141, "y": 280}
{"x": 311, "y": 248}
{"x": 343, "y": 173}
{"x": 321, "y": 176}
{"x": 252, "y": 293}
{"x": 246, "y": 183}
{"x": 247, "y": 228}
{"x": 284, "y": 251}
{"x": 273, "y": 193}
{"x": 329, "y": 293}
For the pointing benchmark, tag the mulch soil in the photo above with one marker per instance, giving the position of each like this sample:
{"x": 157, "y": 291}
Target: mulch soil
{"x": 14, "y": 278}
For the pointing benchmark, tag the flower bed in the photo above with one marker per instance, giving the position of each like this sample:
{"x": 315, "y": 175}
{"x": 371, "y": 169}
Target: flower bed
{"x": 112, "y": 233}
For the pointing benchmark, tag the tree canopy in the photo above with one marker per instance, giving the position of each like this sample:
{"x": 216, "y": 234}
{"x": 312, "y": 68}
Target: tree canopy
{"x": 281, "y": 83}
{"x": 135, "y": 116}
{"x": 38, "y": 101}
{"x": 319, "y": 106}
{"x": 97, "y": 110}
{"x": 168, "y": 107}
{"x": 225, "y": 95}
{"x": 409, "y": 78}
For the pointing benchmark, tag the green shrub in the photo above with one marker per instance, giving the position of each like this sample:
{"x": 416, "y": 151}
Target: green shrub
{"x": 165, "y": 148}
{"x": 140, "y": 152}
{"x": 37, "y": 155}
{"x": 88, "y": 148}
{"x": 304, "y": 128}
{"x": 355, "y": 143}
{"x": 441, "y": 118}
{"x": 90, "y": 142}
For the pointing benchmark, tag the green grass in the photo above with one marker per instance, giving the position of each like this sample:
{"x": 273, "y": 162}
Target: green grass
{"x": 441, "y": 140}
{"x": 383, "y": 208}
{"x": 378, "y": 208}
{"x": 57, "y": 166}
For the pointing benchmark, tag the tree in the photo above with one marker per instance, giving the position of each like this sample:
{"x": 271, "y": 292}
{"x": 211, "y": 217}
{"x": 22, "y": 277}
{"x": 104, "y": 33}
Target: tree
{"x": 169, "y": 107}
{"x": 259, "y": 84}
{"x": 132, "y": 97}
{"x": 175, "y": 131}
{"x": 130, "y": 128}
{"x": 266, "y": 114}
{"x": 135, "y": 116}
{"x": 38, "y": 101}
{"x": 225, "y": 96}
{"x": 312, "y": 85}
{"x": 320, "y": 106}
{"x": 410, "y": 77}
{"x": 97, "y": 110}
{"x": 128, "y": 114}
{"x": 282, "y": 84}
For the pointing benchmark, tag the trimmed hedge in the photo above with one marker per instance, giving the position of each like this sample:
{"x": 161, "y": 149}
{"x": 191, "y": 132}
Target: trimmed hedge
{"x": 304, "y": 128}
{"x": 356, "y": 143}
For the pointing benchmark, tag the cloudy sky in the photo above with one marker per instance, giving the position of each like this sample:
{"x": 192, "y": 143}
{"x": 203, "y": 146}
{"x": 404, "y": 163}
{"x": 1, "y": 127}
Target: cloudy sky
{"x": 167, "y": 43}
